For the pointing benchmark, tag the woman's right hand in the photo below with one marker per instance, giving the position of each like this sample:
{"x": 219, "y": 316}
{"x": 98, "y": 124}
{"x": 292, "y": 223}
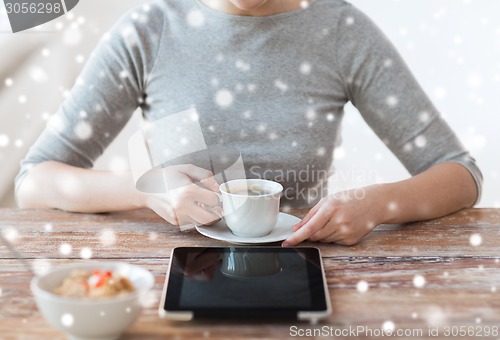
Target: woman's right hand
{"x": 191, "y": 197}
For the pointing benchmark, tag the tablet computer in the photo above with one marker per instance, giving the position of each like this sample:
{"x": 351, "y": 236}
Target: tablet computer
{"x": 245, "y": 282}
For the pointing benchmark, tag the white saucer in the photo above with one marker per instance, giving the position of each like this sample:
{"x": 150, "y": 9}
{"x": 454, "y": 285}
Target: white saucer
{"x": 220, "y": 231}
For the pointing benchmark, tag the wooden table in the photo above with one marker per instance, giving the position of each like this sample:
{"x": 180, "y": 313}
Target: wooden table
{"x": 462, "y": 281}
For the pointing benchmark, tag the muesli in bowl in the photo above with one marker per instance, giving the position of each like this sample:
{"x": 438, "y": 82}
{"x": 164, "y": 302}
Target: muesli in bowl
{"x": 97, "y": 284}
{"x": 93, "y": 300}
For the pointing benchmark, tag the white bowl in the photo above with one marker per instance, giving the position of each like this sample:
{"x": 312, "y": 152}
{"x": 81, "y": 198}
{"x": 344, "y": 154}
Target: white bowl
{"x": 91, "y": 319}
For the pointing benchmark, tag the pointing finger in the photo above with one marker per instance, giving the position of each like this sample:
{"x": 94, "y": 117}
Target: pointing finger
{"x": 318, "y": 221}
{"x": 308, "y": 216}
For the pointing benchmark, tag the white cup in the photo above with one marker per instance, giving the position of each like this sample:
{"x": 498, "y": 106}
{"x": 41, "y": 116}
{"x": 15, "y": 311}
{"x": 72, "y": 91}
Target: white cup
{"x": 251, "y": 206}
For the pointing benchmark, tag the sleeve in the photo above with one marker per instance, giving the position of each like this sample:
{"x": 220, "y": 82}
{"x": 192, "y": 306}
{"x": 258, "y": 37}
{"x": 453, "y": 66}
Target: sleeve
{"x": 108, "y": 90}
{"x": 383, "y": 89}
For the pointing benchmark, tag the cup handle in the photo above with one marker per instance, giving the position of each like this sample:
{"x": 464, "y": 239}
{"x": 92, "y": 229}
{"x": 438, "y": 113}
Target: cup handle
{"x": 218, "y": 205}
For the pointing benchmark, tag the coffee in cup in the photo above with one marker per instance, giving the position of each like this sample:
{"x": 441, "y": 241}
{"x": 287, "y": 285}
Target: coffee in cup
{"x": 251, "y": 206}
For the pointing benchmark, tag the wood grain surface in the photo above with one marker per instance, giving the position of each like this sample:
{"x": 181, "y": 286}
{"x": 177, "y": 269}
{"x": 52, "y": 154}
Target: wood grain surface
{"x": 461, "y": 280}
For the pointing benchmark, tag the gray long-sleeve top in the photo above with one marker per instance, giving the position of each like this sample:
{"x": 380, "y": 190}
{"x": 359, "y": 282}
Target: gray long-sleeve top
{"x": 274, "y": 87}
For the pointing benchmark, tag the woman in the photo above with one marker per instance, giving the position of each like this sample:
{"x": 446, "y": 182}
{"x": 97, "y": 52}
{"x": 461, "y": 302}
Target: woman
{"x": 271, "y": 78}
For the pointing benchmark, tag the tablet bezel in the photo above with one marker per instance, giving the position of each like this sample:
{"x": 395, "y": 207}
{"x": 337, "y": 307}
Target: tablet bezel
{"x": 186, "y": 315}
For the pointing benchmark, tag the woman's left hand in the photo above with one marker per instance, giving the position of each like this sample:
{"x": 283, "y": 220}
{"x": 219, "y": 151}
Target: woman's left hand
{"x": 344, "y": 218}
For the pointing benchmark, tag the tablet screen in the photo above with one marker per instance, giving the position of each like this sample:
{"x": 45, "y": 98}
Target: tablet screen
{"x": 234, "y": 281}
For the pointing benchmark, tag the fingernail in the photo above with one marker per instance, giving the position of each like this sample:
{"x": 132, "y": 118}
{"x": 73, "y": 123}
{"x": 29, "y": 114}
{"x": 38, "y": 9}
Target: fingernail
{"x": 285, "y": 244}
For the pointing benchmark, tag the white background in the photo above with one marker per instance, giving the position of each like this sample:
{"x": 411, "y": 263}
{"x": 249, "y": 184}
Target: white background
{"x": 452, "y": 46}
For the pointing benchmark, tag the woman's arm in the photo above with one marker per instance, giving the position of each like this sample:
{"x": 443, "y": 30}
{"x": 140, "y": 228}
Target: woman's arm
{"x": 111, "y": 86}
{"x": 55, "y": 185}
{"x": 441, "y": 190}
{"x": 445, "y": 177}
{"x": 347, "y": 217}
